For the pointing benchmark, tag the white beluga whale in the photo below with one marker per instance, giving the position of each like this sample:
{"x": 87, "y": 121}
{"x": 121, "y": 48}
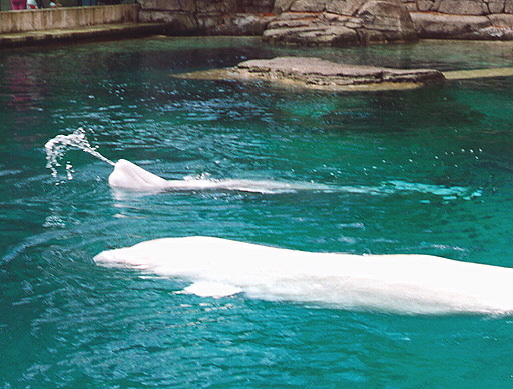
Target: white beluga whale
{"x": 128, "y": 176}
{"x": 403, "y": 283}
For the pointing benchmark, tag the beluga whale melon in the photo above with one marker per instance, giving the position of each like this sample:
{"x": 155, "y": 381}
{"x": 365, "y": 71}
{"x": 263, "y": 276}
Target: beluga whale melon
{"x": 402, "y": 283}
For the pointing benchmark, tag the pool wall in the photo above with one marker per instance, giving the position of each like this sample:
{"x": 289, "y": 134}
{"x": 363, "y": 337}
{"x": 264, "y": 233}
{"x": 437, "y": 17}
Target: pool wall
{"x": 66, "y": 17}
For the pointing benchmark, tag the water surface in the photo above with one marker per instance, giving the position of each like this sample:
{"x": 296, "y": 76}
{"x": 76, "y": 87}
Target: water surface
{"x": 426, "y": 171}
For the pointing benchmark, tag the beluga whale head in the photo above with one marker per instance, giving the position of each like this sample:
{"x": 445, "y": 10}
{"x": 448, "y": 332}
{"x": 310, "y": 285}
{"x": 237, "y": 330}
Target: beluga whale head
{"x": 127, "y": 175}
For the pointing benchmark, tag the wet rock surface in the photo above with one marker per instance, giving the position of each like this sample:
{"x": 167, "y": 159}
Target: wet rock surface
{"x": 317, "y": 73}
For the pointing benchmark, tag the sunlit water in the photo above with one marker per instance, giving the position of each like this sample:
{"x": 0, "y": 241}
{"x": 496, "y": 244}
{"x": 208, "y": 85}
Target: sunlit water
{"x": 427, "y": 171}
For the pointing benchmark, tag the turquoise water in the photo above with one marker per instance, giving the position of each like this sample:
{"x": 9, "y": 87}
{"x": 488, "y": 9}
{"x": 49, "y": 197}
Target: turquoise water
{"x": 420, "y": 171}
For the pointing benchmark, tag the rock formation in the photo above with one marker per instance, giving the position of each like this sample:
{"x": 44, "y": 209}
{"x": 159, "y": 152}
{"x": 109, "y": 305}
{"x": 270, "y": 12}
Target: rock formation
{"x": 462, "y": 19}
{"x": 335, "y": 22}
{"x": 209, "y": 17}
{"x": 340, "y": 23}
{"x": 316, "y": 73}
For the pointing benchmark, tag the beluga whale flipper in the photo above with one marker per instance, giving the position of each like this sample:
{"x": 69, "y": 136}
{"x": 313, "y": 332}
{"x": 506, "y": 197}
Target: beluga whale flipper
{"x": 404, "y": 284}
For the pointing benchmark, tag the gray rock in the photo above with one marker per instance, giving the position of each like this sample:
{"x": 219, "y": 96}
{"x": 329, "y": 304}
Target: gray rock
{"x": 501, "y": 20}
{"x": 467, "y": 7}
{"x": 496, "y": 6}
{"x": 313, "y": 35}
{"x": 443, "y": 26}
{"x": 340, "y": 22}
{"x": 320, "y": 74}
{"x": 319, "y": 71}
{"x": 282, "y": 5}
{"x": 307, "y": 6}
{"x": 385, "y": 16}
{"x": 335, "y": 22}
{"x": 508, "y": 6}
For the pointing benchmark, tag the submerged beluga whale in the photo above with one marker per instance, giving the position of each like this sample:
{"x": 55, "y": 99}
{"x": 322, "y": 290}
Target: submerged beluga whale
{"x": 404, "y": 284}
{"x": 129, "y": 176}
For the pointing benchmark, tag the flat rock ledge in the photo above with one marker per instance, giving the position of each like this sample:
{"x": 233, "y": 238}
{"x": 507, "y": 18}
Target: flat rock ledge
{"x": 316, "y": 73}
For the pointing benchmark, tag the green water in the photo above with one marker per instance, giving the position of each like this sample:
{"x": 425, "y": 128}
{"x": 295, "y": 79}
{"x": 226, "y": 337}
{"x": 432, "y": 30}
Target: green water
{"x": 426, "y": 171}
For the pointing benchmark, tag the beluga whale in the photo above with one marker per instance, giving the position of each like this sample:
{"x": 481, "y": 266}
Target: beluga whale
{"x": 129, "y": 176}
{"x": 406, "y": 284}
{"x": 126, "y": 176}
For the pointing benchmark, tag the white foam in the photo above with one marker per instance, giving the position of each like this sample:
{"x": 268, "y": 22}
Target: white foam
{"x": 408, "y": 284}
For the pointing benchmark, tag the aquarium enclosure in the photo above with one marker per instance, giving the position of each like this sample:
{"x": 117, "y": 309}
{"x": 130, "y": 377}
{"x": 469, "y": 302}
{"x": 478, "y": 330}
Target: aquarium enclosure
{"x": 418, "y": 171}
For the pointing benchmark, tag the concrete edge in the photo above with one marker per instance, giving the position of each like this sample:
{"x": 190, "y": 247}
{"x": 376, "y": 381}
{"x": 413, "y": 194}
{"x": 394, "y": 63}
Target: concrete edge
{"x": 97, "y": 33}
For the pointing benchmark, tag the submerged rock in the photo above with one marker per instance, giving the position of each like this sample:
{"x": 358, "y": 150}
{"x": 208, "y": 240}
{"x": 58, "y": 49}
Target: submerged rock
{"x": 317, "y": 73}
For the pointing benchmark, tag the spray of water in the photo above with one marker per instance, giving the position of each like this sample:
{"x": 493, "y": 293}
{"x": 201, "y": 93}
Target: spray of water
{"x": 57, "y": 147}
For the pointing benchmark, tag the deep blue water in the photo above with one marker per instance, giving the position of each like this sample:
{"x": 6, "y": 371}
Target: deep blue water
{"x": 441, "y": 158}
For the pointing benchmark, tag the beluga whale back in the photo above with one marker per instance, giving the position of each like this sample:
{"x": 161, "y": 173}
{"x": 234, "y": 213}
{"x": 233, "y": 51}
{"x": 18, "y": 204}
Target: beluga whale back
{"x": 128, "y": 176}
{"x": 404, "y": 284}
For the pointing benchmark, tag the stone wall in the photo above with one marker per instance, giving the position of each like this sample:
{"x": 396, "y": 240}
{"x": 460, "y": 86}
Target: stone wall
{"x": 339, "y": 23}
{"x": 209, "y": 17}
{"x": 336, "y": 22}
{"x": 462, "y": 19}
{"x": 304, "y": 22}
{"x": 66, "y": 17}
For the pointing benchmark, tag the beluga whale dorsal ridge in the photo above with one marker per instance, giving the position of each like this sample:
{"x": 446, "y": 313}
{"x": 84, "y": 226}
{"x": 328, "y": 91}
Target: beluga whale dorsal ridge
{"x": 402, "y": 283}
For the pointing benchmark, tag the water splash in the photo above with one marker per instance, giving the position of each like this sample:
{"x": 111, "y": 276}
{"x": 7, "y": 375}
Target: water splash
{"x": 57, "y": 147}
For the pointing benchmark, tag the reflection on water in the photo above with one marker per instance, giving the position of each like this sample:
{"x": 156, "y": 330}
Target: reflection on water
{"x": 422, "y": 171}
{"x": 23, "y": 83}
